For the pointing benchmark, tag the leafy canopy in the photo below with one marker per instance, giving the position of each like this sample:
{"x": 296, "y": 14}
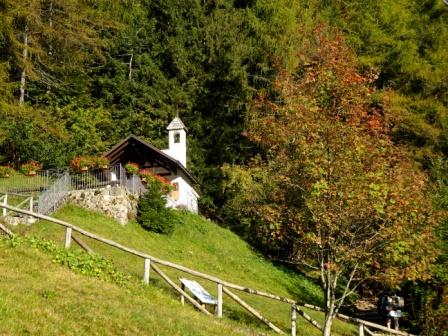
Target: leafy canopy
{"x": 331, "y": 189}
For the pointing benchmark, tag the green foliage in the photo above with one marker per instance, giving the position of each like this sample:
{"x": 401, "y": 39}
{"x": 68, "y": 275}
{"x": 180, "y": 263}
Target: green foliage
{"x": 431, "y": 297}
{"x": 30, "y": 167}
{"x": 86, "y": 128}
{"x": 131, "y": 168}
{"x": 202, "y": 60}
{"x": 76, "y": 260}
{"x": 152, "y": 212}
{"x": 6, "y": 171}
{"x": 80, "y": 163}
{"x": 100, "y": 162}
{"x": 428, "y": 305}
{"x": 97, "y": 71}
{"x": 406, "y": 42}
{"x": 27, "y": 135}
{"x": 39, "y": 36}
{"x": 332, "y": 190}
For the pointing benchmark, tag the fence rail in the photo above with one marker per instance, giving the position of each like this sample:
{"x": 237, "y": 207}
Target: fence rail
{"x": 51, "y": 198}
{"x": 45, "y": 179}
{"x": 51, "y": 186}
{"x": 20, "y": 184}
{"x": 24, "y": 201}
{"x": 151, "y": 262}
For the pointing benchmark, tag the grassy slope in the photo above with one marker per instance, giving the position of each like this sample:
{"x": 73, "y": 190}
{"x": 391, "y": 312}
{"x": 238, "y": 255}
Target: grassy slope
{"x": 40, "y": 297}
{"x": 204, "y": 246}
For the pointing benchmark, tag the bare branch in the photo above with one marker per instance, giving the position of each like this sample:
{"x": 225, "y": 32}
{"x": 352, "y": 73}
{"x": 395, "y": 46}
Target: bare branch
{"x": 347, "y": 287}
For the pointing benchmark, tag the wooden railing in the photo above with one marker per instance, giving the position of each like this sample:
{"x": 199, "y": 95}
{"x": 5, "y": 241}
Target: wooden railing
{"x": 151, "y": 262}
{"x": 27, "y": 202}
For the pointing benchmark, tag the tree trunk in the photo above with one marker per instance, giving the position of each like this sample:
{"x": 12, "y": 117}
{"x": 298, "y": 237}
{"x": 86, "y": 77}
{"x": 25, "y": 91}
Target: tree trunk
{"x": 23, "y": 76}
{"x": 50, "y": 17}
{"x": 50, "y": 44}
{"x": 330, "y": 280}
{"x": 130, "y": 65}
{"x": 328, "y": 323}
{"x": 329, "y": 312}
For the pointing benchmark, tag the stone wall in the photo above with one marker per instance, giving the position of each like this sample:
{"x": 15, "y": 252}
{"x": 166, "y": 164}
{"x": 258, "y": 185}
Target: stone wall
{"x": 114, "y": 202}
{"x": 15, "y": 219}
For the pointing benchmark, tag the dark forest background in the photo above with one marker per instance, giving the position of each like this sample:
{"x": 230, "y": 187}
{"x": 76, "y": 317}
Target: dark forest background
{"x": 76, "y": 76}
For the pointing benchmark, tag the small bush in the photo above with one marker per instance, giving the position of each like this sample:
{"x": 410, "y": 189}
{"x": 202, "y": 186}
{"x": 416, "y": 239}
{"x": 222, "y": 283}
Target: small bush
{"x": 152, "y": 212}
{"x": 6, "y": 171}
{"x": 30, "y": 168}
{"x": 80, "y": 164}
{"x": 78, "y": 261}
{"x": 100, "y": 162}
{"x": 131, "y": 168}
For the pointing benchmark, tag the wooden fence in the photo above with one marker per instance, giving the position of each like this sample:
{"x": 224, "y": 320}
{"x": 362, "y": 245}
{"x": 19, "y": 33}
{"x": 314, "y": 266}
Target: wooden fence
{"x": 27, "y": 202}
{"x": 151, "y": 263}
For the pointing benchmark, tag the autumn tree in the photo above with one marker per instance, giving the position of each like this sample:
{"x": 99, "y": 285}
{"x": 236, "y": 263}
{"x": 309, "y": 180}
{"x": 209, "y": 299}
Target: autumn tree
{"x": 330, "y": 189}
{"x": 407, "y": 40}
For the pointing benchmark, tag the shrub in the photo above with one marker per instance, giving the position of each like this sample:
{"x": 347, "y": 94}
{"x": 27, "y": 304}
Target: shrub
{"x": 149, "y": 177}
{"x": 100, "y": 162}
{"x": 78, "y": 261}
{"x": 30, "y": 168}
{"x": 152, "y": 212}
{"x": 6, "y": 171}
{"x": 131, "y": 168}
{"x": 80, "y": 164}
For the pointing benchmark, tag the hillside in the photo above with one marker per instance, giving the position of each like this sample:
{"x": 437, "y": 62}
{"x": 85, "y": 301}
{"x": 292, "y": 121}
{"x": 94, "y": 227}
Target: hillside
{"x": 40, "y": 297}
{"x": 197, "y": 243}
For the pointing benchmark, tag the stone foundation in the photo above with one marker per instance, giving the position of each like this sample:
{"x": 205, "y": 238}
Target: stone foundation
{"x": 17, "y": 219}
{"x": 114, "y": 202}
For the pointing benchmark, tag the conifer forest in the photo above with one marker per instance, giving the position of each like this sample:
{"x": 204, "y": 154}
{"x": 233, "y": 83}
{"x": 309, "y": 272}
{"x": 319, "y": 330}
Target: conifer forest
{"x": 318, "y": 130}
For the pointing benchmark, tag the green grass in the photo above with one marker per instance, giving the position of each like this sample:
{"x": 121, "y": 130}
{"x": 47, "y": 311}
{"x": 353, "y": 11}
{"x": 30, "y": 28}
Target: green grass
{"x": 206, "y": 247}
{"x": 15, "y": 200}
{"x": 41, "y": 297}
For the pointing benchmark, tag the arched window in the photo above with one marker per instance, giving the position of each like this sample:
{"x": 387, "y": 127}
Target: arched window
{"x": 177, "y": 137}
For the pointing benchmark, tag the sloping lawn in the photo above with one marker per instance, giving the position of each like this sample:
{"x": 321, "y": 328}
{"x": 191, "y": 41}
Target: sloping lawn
{"x": 204, "y": 246}
{"x": 41, "y": 297}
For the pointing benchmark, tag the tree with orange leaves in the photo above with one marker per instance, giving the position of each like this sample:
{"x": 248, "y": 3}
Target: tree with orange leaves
{"x": 331, "y": 190}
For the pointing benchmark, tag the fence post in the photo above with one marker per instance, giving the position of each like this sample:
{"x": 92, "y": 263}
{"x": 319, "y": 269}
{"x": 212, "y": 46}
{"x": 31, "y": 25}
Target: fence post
{"x": 68, "y": 237}
{"x": 361, "y": 329}
{"x": 31, "y": 204}
{"x": 293, "y": 320}
{"x": 147, "y": 271}
{"x": 219, "y": 307}
{"x": 182, "y": 298}
{"x": 5, "y": 202}
{"x": 122, "y": 182}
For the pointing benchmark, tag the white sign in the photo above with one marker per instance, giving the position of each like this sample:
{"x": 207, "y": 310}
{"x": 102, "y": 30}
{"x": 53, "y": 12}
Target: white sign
{"x": 199, "y": 292}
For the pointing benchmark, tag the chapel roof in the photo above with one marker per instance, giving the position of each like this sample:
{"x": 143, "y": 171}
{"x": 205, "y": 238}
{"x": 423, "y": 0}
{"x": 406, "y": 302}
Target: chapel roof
{"x": 176, "y": 124}
{"x": 132, "y": 146}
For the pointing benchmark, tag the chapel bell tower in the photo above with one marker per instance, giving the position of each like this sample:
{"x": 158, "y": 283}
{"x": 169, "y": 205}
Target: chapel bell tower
{"x": 177, "y": 141}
